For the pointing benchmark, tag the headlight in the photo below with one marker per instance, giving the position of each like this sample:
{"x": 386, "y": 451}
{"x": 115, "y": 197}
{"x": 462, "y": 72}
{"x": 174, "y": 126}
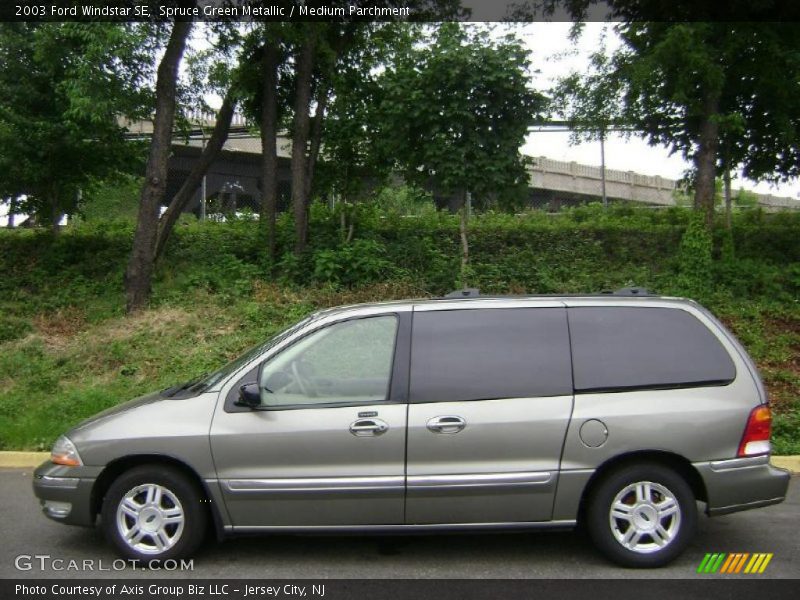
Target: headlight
{"x": 64, "y": 452}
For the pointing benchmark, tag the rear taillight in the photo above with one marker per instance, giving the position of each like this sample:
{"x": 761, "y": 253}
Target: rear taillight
{"x": 756, "y": 434}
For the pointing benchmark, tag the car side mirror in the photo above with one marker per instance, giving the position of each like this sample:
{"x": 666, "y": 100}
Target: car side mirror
{"x": 249, "y": 396}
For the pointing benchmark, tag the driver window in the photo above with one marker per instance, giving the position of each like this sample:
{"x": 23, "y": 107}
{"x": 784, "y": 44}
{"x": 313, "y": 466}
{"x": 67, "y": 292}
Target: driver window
{"x": 348, "y": 362}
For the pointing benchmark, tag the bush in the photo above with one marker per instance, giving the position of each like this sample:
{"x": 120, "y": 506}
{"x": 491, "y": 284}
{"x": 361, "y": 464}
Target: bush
{"x": 584, "y": 249}
{"x": 360, "y": 262}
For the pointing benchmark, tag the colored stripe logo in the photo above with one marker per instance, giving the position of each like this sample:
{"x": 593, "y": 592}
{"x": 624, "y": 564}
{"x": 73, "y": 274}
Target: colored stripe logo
{"x": 735, "y": 563}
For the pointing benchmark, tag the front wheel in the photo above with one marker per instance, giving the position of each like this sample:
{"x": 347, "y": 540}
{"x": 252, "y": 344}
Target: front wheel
{"x": 642, "y": 515}
{"x": 154, "y": 513}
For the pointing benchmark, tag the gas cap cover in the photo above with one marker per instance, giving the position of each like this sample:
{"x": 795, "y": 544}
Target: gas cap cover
{"x": 594, "y": 433}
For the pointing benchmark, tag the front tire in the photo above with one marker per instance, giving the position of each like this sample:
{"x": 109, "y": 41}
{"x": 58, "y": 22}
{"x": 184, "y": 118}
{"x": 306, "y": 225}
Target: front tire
{"x": 154, "y": 513}
{"x": 642, "y": 515}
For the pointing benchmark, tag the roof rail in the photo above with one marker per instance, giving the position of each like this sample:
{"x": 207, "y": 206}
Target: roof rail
{"x": 629, "y": 291}
{"x": 465, "y": 293}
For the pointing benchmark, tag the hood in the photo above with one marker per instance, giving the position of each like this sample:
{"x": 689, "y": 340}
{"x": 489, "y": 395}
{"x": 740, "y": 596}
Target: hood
{"x": 118, "y": 409}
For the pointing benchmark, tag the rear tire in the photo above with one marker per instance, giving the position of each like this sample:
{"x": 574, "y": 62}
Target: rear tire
{"x": 154, "y": 513}
{"x": 642, "y": 515}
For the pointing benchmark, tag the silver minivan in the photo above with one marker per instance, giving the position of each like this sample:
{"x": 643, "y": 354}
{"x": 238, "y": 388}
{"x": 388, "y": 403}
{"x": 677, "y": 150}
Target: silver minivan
{"x": 618, "y": 411}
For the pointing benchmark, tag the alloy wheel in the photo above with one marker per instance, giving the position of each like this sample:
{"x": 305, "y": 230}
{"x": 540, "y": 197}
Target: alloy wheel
{"x": 645, "y": 517}
{"x": 150, "y": 518}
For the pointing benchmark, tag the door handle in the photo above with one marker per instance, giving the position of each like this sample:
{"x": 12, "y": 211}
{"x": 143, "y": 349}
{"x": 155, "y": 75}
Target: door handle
{"x": 368, "y": 427}
{"x": 446, "y": 424}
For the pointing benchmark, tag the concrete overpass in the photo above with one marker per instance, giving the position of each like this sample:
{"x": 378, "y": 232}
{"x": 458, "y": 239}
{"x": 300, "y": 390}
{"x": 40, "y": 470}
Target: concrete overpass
{"x": 553, "y": 183}
{"x": 574, "y": 180}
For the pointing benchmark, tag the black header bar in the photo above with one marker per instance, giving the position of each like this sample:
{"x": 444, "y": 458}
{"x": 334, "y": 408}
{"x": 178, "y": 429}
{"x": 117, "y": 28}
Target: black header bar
{"x": 393, "y": 589}
{"x": 245, "y": 11}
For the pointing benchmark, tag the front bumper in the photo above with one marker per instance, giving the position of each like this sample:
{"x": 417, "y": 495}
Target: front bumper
{"x": 742, "y": 483}
{"x": 65, "y": 493}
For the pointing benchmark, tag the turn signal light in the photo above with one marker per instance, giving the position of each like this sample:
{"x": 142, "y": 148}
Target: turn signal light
{"x": 756, "y": 434}
{"x": 65, "y": 453}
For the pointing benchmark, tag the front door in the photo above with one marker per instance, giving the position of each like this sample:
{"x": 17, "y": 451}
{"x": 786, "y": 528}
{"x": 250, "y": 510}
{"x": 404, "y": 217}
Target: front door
{"x": 490, "y": 400}
{"x": 327, "y": 445}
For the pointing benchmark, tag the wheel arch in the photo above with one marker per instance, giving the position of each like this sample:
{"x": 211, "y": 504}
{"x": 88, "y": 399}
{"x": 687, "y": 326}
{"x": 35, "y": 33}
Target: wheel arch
{"x": 676, "y": 462}
{"x": 118, "y": 466}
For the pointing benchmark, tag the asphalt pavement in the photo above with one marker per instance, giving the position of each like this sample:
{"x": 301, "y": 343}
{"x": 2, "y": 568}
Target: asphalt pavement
{"x": 26, "y": 533}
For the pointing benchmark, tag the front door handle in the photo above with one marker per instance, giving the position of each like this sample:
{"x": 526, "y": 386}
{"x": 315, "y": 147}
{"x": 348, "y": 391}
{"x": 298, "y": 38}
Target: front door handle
{"x": 446, "y": 424}
{"x": 368, "y": 427}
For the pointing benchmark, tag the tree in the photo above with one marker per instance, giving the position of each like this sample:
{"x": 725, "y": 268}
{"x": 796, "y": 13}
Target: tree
{"x": 454, "y": 114}
{"x": 181, "y": 199}
{"x": 139, "y": 273}
{"x": 272, "y": 58}
{"x": 299, "y": 75}
{"x": 715, "y": 91}
{"x": 352, "y": 127}
{"x": 304, "y": 68}
{"x": 63, "y": 88}
{"x": 215, "y": 70}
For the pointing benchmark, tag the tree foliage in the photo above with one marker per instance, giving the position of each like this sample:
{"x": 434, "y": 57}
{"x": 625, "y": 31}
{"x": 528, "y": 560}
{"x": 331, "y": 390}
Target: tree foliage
{"x": 352, "y": 129}
{"x": 722, "y": 94}
{"x": 63, "y": 89}
{"x": 308, "y": 67}
{"x": 456, "y": 110}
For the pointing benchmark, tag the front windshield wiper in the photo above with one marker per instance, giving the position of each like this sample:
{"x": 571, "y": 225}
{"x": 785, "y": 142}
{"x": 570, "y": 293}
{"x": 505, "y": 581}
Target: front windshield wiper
{"x": 188, "y": 385}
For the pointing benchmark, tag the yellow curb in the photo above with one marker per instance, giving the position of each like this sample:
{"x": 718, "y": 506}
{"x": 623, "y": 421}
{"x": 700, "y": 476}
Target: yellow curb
{"x": 791, "y": 463}
{"x": 23, "y": 459}
{"x": 34, "y": 459}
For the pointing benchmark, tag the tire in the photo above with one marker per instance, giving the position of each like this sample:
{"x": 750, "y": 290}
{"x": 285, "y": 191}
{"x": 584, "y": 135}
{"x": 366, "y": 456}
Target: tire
{"x": 158, "y": 509}
{"x": 642, "y": 515}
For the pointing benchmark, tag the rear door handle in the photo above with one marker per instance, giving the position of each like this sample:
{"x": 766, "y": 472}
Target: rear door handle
{"x": 446, "y": 424}
{"x": 368, "y": 427}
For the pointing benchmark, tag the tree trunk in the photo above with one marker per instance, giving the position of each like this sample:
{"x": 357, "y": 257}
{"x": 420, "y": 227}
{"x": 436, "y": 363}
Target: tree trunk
{"x": 336, "y": 48}
{"x": 139, "y": 274}
{"x": 316, "y": 135}
{"x": 269, "y": 144}
{"x": 55, "y": 210}
{"x": 184, "y": 195}
{"x": 464, "y": 241}
{"x": 304, "y": 66}
{"x": 706, "y": 159}
{"x": 726, "y": 177}
{"x": 12, "y": 211}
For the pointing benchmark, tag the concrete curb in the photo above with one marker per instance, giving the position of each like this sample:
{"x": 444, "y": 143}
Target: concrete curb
{"x": 23, "y": 459}
{"x": 792, "y": 463}
{"x": 34, "y": 459}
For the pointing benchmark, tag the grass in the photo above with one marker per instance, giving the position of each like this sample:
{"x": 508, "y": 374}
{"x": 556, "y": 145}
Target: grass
{"x": 70, "y": 366}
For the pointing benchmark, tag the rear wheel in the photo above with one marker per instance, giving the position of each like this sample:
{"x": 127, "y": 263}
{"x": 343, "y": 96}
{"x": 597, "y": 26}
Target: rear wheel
{"x": 642, "y": 515}
{"x": 154, "y": 513}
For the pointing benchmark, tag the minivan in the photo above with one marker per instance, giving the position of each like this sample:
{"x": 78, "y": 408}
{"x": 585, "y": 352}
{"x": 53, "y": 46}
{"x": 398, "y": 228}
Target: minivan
{"x": 618, "y": 411}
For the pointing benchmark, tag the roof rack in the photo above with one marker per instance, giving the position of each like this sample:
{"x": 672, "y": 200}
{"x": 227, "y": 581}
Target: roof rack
{"x": 628, "y": 291}
{"x": 465, "y": 293}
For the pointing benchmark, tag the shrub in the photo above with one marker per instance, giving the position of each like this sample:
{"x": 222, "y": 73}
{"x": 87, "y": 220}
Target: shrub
{"x": 363, "y": 261}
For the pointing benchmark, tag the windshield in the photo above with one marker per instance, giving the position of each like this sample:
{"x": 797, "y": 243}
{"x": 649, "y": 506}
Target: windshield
{"x": 211, "y": 380}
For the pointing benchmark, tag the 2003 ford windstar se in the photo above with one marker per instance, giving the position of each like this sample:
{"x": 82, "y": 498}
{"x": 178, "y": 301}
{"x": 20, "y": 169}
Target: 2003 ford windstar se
{"x": 620, "y": 411}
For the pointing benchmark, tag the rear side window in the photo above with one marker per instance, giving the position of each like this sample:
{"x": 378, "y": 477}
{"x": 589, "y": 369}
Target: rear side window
{"x": 619, "y": 348}
{"x": 480, "y": 354}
